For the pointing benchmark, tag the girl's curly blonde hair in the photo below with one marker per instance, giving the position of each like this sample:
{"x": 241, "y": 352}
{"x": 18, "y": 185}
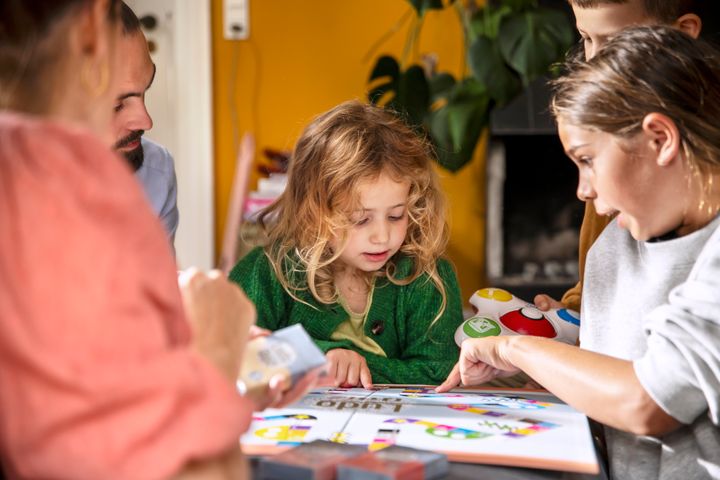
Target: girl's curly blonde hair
{"x": 351, "y": 144}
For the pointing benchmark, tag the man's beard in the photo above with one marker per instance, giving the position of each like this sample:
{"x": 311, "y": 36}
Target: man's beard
{"x": 134, "y": 157}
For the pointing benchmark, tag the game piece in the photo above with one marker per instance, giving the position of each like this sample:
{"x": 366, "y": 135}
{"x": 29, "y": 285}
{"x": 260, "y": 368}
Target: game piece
{"x": 289, "y": 350}
{"x": 499, "y": 312}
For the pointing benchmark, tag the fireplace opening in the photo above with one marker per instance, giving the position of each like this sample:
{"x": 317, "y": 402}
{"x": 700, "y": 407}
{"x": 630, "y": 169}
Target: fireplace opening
{"x": 534, "y": 216}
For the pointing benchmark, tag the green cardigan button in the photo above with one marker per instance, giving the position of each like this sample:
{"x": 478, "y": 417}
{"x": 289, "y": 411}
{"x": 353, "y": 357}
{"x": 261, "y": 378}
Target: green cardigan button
{"x": 377, "y": 327}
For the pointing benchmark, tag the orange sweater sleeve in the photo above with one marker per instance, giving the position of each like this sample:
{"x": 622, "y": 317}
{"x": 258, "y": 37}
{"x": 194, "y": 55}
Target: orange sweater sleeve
{"x": 591, "y": 228}
{"x": 97, "y": 376}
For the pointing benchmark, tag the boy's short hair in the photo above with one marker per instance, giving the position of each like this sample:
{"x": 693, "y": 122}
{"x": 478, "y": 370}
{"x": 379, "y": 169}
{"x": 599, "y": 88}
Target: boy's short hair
{"x": 666, "y": 11}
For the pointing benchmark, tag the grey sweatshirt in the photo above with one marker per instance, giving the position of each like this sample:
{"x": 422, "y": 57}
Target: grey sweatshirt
{"x": 658, "y": 305}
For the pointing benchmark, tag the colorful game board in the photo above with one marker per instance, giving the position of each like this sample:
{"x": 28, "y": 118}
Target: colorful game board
{"x": 504, "y": 427}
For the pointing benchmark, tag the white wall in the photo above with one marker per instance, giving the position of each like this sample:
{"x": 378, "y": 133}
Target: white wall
{"x": 180, "y": 103}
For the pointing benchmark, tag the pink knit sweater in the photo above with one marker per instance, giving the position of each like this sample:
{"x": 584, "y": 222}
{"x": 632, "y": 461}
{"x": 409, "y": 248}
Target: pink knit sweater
{"x": 97, "y": 376}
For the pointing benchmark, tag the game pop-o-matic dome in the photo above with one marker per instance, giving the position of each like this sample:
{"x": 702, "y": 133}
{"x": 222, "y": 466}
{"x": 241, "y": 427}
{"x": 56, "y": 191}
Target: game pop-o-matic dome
{"x": 499, "y": 312}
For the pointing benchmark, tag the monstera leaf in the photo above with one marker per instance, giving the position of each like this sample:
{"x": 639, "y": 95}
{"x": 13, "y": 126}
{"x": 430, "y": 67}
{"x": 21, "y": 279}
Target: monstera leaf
{"x": 531, "y": 40}
{"x": 456, "y": 127}
{"x": 407, "y": 92}
{"x": 421, "y": 6}
{"x": 508, "y": 42}
{"x": 489, "y": 68}
{"x": 486, "y": 22}
{"x": 440, "y": 85}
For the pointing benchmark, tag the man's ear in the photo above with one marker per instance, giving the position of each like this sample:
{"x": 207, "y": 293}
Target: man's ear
{"x": 689, "y": 23}
{"x": 662, "y": 136}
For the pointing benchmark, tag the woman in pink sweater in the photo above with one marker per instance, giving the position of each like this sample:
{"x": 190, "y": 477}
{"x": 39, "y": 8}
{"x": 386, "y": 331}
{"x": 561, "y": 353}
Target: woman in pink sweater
{"x": 101, "y": 375}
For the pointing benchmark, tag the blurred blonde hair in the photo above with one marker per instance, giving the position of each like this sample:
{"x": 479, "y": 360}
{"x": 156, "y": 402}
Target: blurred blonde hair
{"x": 34, "y": 49}
{"x": 351, "y": 144}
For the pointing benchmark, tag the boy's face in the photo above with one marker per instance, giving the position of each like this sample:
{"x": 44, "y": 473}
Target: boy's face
{"x": 596, "y": 25}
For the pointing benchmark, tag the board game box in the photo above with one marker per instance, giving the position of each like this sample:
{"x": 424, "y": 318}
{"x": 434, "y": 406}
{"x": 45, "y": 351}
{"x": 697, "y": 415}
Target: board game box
{"x": 316, "y": 460}
{"x": 524, "y": 428}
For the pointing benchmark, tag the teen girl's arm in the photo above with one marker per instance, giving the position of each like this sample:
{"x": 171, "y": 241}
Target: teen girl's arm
{"x": 426, "y": 350}
{"x": 604, "y": 388}
{"x": 676, "y": 381}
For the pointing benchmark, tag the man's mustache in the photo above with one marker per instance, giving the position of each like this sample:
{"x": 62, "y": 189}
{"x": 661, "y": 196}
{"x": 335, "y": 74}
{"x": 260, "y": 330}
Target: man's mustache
{"x": 129, "y": 139}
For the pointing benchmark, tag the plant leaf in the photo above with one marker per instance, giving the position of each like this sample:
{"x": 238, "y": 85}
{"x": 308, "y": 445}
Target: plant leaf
{"x": 406, "y": 92}
{"x": 486, "y": 21}
{"x": 440, "y": 85}
{"x": 530, "y": 41}
{"x": 413, "y": 94}
{"x": 421, "y": 6}
{"x": 385, "y": 78}
{"x": 456, "y": 127}
{"x": 489, "y": 68}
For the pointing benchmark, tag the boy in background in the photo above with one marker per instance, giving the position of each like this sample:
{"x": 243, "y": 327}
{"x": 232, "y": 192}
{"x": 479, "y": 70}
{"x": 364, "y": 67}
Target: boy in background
{"x": 597, "y": 21}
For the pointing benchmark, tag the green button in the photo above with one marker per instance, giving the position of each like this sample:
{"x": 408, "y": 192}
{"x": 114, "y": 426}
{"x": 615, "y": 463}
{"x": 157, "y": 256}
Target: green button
{"x": 479, "y": 327}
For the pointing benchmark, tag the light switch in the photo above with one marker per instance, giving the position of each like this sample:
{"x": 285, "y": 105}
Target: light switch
{"x": 236, "y": 19}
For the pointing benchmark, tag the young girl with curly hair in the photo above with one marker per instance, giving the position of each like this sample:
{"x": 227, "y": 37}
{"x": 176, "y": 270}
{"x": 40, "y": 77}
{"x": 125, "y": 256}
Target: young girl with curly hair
{"x": 354, "y": 252}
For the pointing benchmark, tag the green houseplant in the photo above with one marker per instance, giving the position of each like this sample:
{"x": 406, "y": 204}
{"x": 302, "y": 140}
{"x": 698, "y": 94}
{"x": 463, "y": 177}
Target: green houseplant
{"x": 508, "y": 43}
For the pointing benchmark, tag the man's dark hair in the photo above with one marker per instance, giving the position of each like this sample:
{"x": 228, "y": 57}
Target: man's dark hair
{"x": 130, "y": 21}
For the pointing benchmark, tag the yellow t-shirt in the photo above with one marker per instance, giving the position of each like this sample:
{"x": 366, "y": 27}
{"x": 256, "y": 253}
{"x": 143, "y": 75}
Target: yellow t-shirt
{"x": 353, "y": 328}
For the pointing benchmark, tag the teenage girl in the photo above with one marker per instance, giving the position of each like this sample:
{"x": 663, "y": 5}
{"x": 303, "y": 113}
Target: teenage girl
{"x": 640, "y": 121}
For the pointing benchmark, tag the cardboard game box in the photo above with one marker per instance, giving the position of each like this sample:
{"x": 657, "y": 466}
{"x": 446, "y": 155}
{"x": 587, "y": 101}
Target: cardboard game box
{"x": 316, "y": 460}
{"x": 394, "y": 463}
{"x": 289, "y": 350}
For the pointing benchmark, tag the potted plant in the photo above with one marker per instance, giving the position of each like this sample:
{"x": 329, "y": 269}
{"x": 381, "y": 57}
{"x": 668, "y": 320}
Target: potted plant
{"x": 508, "y": 43}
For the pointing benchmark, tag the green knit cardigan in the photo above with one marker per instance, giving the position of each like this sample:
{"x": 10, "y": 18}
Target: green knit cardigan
{"x": 399, "y": 319}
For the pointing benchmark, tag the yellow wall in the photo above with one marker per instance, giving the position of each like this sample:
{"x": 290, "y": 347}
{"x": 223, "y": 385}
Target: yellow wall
{"x": 304, "y": 57}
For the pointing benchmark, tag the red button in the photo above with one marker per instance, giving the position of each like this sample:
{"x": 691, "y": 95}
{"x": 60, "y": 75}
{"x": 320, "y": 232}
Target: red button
{"x": 528, "y": 321}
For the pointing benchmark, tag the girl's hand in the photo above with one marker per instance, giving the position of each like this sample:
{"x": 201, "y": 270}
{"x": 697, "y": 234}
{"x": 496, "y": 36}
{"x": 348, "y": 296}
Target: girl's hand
{"x": 348, "y": 368}
{"x": 481, "y": 360}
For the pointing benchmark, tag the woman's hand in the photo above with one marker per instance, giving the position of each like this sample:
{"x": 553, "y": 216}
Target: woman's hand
{"x": 481, "y": 360}
{"x": 280, "y": 395}
{"x": 220, "y": 315}
{"x": 348, "y": 368}
{"x": 256, "y": 332}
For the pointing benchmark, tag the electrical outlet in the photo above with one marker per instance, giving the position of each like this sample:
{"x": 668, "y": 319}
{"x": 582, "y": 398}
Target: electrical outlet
{"x": 236, "y": 19}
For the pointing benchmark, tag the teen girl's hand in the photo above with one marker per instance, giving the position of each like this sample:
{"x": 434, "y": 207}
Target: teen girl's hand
{"x": 481, "y": 360}
{"x": 348, "y": 368}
